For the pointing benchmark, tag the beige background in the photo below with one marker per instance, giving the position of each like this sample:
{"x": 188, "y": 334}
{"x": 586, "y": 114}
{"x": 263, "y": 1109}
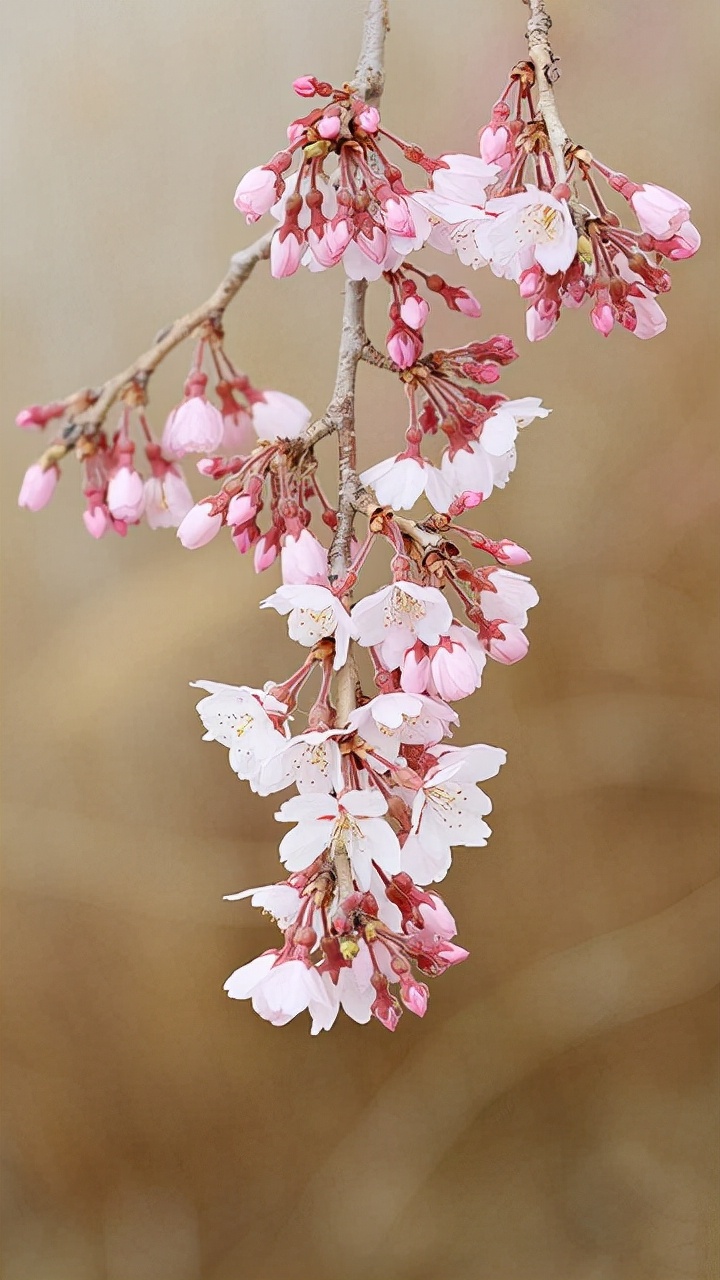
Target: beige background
{"x": 554, "y": 1116}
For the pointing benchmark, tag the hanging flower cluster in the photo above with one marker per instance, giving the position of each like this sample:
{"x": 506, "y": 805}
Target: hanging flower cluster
{"x": 117, "y": 494}
{"x": 381, "y": 798}
{"x": 359, "y": 730}
{"x": 554, "y": 233}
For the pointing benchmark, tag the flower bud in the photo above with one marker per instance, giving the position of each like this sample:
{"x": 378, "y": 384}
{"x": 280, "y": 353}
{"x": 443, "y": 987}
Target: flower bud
{"x": 200, "y": 525}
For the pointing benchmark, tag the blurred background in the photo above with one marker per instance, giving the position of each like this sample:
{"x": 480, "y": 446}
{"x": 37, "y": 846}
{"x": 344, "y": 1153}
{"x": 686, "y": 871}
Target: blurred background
{"x": 554, "y": 1117}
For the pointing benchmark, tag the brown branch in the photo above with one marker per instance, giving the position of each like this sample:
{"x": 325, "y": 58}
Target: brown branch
{"x": 99, "y": 402}
{"x": 546, "y": 73}
{"x": 369, "y": 81}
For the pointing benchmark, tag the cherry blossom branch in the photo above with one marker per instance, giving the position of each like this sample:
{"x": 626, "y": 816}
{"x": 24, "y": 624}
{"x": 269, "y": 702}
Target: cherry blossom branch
{"x": 547, "y": 72}
{"x": 97, "y": 403}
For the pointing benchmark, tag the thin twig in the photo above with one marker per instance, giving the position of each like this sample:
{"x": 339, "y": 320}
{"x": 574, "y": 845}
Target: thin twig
{"x": 546, "y": 73}
{"x": 89, "y": 421}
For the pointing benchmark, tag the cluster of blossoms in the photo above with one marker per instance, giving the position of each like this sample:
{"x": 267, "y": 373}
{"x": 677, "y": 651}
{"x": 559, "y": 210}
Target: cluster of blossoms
{"x": 562, "y": 247}
{"x": 117, "y": 494}
{"x": 381, "y": 796}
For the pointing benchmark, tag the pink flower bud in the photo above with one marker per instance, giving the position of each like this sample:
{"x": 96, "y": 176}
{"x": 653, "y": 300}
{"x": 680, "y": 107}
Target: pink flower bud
{"x": 126, "y": 495}
{"x": 493, "y": 143}
{"x": 256, "y": 193}
{"x": 415, "y": 670}
{"x": 683, "y": 244}
{"x": 199, "y": 526}
{"x": 404, "y": 348}
{"x": 537, "y": 326}
{"x": 660, "y": 212}
{"x": 415, "y": 996}
{"x": 454, "y": 673}
{"x": 328, "y": 127}
{"x": 295, "y": 132}
{"x": 414, "y": 311}
{"x": 285, "y": 255}
{"x": 243, "y": 540}
{"x": 266, "y": 550}
{"x": 508, "y": 552}
{"x": 529, "y": 282}
{"x": 603, "y": 318}
{"x": 398, "y": 219}
{"x": 38, "y": 486}
{"x": 96, "y": 520}
{"x": 196, "y": 426}
{"x": 466, "y": 303}
{"x": 511, "y": 647}
{"x": 304, "y": 86}
{"x": 369, "y": 119}
{"x": 241, "y": 509}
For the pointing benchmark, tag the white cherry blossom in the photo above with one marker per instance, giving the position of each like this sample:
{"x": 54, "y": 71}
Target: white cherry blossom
{"x": 531, "y": 226}
{"x": 311, "y": 761}
{"x": 449, "y": 809}
{"x": 394, "y": 617}
{"x": 513, "y": 595}
{"x": 237, "y": 717}
{"x": 353, "y": 822}
{"x": 388, "y": 721}
{"x": 314, "y": 613}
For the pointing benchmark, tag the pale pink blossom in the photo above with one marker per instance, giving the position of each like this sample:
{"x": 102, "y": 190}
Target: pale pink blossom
{"x": 531, "y": 226}
{"x": 509, "y": 597}
{"x": 195, "y": 426}
{"x": 281, "y": 901}
{"x": 238, "y": 435}
{"x": 449, "y": 809}
{"x": 398, "y": 482}
{"x": 304, "y": 560}
{"x": 281, "y": 989}
{"x": 500, "y": 428}
{"x": 394, "y": 617}
{"x": 454, "y": 672}
{"x": 38, "y": 486}
{"x": 278, "y": 416}
{"x": 256, "y": 193}
{"x": 660, "y": 212}
{"x": 126, "y": 494}
{"x": 285, "y": 254}
{"x": 313, "y": 614}
{"x": 465, "y": 179}
{"x": 167, "y": 500}
{"x": 199, "y": 526}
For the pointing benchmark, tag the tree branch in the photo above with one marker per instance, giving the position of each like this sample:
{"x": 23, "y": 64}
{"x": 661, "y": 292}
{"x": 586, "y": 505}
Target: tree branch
{"x": 99, "y": 402}
{"x": 369, "y": 81}
{"x": 547, "y": 72}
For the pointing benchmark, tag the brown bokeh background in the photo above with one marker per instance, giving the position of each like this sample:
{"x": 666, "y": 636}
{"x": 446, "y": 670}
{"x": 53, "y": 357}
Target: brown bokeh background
{"x": 554, "y": 1116}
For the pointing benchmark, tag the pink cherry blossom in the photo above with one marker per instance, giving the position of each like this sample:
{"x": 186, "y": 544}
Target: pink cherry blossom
{"x": 256, "y": 193}
{"x": 199, "y": 526}
{"x": 660, "y": 212}
{"x": 38, "y": 486}
{"x": 126, "y": 494}
{"x": 394, "y": 617}
{"x": 167, "y": 500}
{"x": 278, "y": 416}
{"x": 195, "y": 426}
{"x": 465, "y": 179}
{"x": 314, "y": 613}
